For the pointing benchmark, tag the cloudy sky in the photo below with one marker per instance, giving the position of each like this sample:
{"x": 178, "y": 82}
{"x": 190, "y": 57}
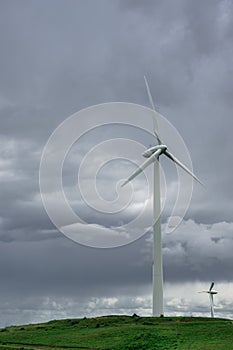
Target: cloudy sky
{"x": 58, "y": 57}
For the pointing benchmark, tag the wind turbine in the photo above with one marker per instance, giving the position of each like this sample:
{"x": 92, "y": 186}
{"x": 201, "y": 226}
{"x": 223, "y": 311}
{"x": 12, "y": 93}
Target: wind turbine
{"x": 211, "y": 295}
{"x": 153, "y": 154}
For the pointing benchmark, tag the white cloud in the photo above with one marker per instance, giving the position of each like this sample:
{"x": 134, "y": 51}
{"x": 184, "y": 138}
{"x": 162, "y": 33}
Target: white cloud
{"x": 197, "y": 250}
{"x": 94, "y": 231}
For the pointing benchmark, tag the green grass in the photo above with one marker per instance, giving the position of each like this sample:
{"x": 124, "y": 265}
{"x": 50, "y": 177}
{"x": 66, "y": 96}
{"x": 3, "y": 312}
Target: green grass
{"x": 122, "y": 333}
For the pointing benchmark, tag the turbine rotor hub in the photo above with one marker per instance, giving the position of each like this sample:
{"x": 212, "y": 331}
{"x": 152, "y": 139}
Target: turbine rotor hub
{"x": 163, "y": 148}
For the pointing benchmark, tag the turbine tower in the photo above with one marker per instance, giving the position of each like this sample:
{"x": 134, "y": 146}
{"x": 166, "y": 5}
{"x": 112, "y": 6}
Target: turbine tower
{"x": 211, "y": 295}
{"x": 153, "y": 154}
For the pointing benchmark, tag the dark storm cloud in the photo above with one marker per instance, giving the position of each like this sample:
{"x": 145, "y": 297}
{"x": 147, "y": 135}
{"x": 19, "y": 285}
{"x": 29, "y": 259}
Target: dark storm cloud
{"x": 58, "y": 57}
{"x": 61, "y": 267}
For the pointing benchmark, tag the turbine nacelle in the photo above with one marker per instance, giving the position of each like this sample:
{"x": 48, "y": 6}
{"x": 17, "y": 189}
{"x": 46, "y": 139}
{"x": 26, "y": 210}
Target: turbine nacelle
{"x": 153, "y": 149}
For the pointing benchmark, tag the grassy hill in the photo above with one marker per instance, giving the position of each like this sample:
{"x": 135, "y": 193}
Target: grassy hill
{"x": 122, "y": 333}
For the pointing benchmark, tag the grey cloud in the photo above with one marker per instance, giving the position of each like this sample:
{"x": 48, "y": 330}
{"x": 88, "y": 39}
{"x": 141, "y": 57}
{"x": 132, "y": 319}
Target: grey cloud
{"x": 59, "y": 57}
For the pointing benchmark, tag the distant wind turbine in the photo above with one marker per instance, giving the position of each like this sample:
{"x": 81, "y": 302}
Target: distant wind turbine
{"x": 153, "y": 154}
{"x": 211, "y": 295}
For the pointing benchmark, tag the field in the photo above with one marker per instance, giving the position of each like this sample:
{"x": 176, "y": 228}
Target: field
{"x": 122, "y": 333}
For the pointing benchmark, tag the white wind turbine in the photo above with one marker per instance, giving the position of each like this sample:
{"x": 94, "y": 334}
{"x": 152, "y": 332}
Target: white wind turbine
{"x": 153, "y": 154}
{"x": 211, "y": 295}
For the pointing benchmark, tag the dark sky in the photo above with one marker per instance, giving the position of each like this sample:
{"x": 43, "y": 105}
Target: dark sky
{"x": 58, "y": 57}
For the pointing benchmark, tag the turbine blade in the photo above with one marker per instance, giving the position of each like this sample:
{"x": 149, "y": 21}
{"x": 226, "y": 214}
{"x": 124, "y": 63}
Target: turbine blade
{"x": 158, "y": 138}
{"x": 211, "y": 286}
{"x": 154, "y": 114}
{"x": 178, "y": 162}
{"x": 149, "y": 94}
{"x": 144, "y": 165}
